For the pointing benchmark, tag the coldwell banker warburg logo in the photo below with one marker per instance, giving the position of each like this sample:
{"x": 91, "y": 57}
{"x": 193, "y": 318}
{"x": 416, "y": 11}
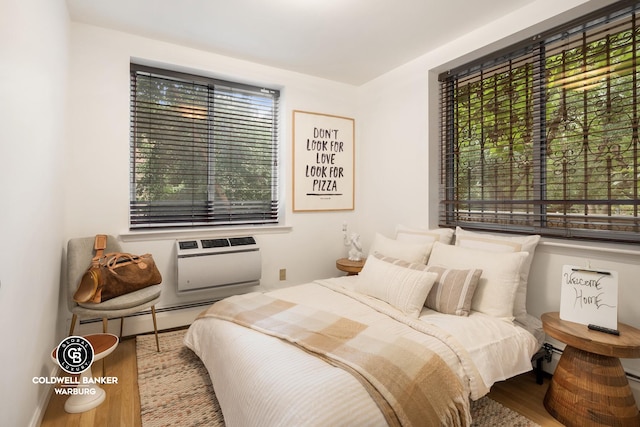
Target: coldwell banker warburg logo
{"x": 75, "y": 354}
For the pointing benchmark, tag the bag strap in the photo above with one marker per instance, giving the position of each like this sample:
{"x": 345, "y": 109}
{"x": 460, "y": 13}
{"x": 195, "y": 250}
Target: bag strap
{"x": 99, "y": 245}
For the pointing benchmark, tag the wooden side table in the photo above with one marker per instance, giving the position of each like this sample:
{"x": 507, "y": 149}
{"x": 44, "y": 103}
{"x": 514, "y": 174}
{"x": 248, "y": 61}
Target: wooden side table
{"x": 589, "y": 386}
{"x": 350, "y": 267}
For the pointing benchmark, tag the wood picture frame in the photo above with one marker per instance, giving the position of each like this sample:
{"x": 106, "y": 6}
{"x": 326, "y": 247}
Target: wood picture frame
{"x": 323, "y": 162}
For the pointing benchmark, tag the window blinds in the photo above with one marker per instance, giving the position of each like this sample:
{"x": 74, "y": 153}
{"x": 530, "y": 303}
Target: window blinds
{"x": 544, "y": 137}
{"x": 203, "y": 152}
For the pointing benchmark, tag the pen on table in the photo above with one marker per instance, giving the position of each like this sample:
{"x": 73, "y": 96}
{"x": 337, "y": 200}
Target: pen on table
{"x": 580, "y": 270}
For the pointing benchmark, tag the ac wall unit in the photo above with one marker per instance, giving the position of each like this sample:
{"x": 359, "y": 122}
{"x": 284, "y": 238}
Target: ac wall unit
{"x": 214, "y": 263}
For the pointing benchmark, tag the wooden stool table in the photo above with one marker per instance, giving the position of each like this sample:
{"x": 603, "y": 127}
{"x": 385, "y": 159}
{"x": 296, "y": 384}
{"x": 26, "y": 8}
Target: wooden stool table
{"x": 350, "y": 267}
{"x": 589, "y": 386}
{"x": 103, "y": 345}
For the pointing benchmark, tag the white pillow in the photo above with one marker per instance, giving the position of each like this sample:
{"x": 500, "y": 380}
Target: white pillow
{"x": 404, "y": 287}
{"x": 407, "y": 251}
{"x": 421, "y": 235}
{"x": 500, "y": 277}
{"x": 497, "y": 243}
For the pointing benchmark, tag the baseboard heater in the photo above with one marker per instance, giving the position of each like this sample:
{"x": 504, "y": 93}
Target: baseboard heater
{"x": 213, "y": 263}
{"x": 197, "y": 304}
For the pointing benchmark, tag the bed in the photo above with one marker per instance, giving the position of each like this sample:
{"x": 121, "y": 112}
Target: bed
{"x": 405, "y": 354}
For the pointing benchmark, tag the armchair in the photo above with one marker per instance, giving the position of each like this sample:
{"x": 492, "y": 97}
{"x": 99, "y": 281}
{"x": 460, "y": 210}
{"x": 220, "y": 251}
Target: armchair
{"x": 79, "y": 254}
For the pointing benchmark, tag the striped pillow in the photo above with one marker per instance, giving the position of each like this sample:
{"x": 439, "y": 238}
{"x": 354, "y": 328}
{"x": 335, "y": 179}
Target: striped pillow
{"x": 400, "y": 262}
{"x": 398, "y": 283}
{"x": 453, "y": 291}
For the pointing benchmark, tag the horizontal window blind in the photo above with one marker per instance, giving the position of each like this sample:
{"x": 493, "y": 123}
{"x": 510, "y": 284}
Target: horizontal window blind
{"x": 544, "y": 139}
{"x": 203, "y": 151}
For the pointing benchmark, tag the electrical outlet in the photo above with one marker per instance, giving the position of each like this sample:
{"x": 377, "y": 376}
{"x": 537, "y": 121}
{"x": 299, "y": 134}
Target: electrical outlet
{"x": 283, "y": 274}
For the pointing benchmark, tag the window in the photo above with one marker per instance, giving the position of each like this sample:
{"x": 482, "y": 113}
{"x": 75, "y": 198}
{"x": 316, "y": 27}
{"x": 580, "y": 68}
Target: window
{"x": 204, "y": 152}
{"x": 543, "y": 137}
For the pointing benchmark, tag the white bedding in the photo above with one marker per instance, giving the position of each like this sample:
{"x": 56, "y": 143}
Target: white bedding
{"x": 261, "y": 380}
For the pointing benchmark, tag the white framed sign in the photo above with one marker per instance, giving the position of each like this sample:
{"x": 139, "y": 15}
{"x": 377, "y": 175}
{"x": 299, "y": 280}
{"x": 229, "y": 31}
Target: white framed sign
{"x": 589, "y": 296}
{"x": 323, "y": 162}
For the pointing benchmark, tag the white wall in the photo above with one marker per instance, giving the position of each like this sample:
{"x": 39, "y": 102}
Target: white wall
{"x": 98, "y": 172}
{"x": 33, "y": 78}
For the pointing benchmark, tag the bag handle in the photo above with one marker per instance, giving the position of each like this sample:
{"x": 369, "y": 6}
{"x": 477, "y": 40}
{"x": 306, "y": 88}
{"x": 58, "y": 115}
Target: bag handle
{"x": 122, "y": 258}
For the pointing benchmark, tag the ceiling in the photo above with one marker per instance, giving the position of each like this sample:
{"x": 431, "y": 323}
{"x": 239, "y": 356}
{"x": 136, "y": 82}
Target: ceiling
{"x": 350, "y": 41}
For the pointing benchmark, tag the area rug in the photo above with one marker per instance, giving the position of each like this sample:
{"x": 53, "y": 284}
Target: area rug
{"x": 175, "y": 389}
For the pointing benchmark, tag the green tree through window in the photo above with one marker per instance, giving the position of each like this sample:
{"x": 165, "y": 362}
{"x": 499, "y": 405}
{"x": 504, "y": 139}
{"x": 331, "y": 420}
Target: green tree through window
{"x": 545, "y": 139}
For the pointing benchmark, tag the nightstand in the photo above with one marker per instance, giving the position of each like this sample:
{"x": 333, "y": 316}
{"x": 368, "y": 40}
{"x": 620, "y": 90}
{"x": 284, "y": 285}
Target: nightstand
{"x": 589, "y": 386}
{"x": 350, "y": 267}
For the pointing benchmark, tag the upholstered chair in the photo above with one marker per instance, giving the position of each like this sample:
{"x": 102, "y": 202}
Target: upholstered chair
{"x": 79, "y": 254}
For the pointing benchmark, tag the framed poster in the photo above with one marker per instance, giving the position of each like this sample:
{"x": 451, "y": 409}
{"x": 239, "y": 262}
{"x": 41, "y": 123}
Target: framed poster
{"x": 323, "y": 162}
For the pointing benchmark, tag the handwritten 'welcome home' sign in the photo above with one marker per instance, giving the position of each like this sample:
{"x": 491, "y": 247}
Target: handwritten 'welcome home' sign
{"x": 589, "y": 296}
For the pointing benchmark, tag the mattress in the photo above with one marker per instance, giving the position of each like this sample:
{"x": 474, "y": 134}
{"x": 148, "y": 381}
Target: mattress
{"x": 262, "y": 380}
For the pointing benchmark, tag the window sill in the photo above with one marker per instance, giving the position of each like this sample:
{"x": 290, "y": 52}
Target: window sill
{"x": 142, "y": 235}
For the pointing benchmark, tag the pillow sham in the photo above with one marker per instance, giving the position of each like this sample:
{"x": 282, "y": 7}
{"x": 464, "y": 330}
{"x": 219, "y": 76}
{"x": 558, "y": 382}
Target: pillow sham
{"x": 407, "y": 251}
{"x": 403, "y": 285}
{"x": 496, "y": 289}
{"x": 420, "y": 235}
{"x": 453, "y": 290}
{"x": 498, "y": 243}
{"x": 401, "y": 262}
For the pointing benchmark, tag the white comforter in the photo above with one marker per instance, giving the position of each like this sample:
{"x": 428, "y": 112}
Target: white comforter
{"x": 262, "y": 381}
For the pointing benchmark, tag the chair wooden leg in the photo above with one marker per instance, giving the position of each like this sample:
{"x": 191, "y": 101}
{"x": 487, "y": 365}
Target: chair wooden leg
{"x": 121, "y": 325}
{"x": 74, "y": 318}
{"x": 155, "y": 326}
{"x": 104, "y": 325}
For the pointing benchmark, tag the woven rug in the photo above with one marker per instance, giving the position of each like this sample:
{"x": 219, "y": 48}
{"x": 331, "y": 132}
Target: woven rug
{"x": 175, "y": 389}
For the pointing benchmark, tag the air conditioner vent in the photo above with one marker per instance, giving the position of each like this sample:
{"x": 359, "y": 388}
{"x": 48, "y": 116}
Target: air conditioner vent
{"x": 242, "y": 241}
{"x": 214, "y": 243}
{"x": 188, "y": 244}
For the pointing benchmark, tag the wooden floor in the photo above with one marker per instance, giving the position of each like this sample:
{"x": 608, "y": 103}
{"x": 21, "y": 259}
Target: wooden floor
{"x": 524, "y": 395}
{"x": 122, "y": 404}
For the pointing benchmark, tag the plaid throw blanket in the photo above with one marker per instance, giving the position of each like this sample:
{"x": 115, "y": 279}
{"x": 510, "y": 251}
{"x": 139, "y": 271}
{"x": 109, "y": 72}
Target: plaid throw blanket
{"x": 410, "y": 383}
